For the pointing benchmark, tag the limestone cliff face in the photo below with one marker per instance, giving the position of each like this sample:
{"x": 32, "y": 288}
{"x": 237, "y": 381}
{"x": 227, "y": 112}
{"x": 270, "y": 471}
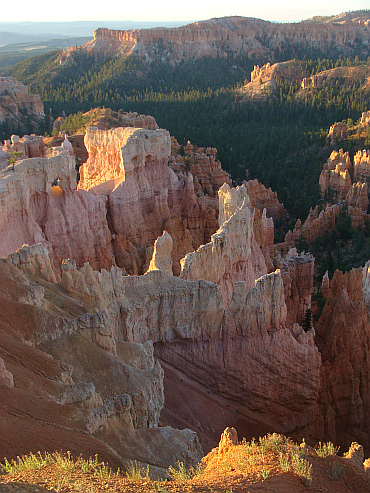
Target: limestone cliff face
{"x": 233, "y": 254}
{"x": 215, "y": 37}
{"x": 343, "y": 337}
{"x": 241, "y": 363}
{"x": 70, "y": 223}
{"x": 297, "y": 273}
{"x": 145, "y": 196}
{"x": 115, "y": 152}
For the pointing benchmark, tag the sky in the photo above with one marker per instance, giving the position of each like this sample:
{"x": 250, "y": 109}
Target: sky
{"x": 172, "y": 10}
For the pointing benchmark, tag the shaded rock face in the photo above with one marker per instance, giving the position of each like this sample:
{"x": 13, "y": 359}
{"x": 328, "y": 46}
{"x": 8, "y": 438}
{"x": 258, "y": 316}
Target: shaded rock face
{"x": 145, "y": 196}
{"x": 35, "y": 261}
{"x": 60, "y": 390}
{"x": 297, "y": 273}
{"x": 264, "y": 198}
{"x": 30, "y": 146}
{"x": 319, "y": 221}
{"x": 343, "y": 337}
{"x": 235, "y": 352}
{"x": 202, "y": 163}
{"x": 240, "y": 352}
{"x": 241, "y": 362}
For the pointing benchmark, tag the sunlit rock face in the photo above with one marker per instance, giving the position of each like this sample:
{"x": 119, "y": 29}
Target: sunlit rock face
{"x": 233, "y": 254}
{"x": 145, "y": 196}
{"x": 40, "y": 204}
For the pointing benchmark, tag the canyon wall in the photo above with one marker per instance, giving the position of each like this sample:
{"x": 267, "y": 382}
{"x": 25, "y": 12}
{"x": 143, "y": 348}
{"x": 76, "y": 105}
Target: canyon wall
{"x": 343, "y": 338}
{"x": 64, "y": 388}
{"x": 240, "y": 352}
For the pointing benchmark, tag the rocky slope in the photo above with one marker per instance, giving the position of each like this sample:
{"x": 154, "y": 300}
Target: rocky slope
{"x": 216, "y": 37}
{"x": 274, "y": 463}
{"x": 63, "y": 388}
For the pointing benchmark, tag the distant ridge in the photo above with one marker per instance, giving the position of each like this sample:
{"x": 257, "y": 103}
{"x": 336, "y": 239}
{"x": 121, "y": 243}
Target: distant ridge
{"x": 49, "y": 30}
{"x": 343, "y": 34}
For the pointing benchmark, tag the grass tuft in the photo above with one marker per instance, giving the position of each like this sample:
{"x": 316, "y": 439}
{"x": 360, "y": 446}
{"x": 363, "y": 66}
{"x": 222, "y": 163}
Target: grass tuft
{"x": 136, "y": 473}
{"x": 63, "y": 462}
{"x": 182, "y": 474}
{"x": 325, "y": 449}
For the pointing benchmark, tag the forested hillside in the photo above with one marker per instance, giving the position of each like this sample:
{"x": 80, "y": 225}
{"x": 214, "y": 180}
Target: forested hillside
{"x": 278, "y": 139}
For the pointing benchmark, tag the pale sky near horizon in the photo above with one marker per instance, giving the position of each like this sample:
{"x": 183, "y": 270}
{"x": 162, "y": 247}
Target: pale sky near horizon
{"x": 169, "y": 10}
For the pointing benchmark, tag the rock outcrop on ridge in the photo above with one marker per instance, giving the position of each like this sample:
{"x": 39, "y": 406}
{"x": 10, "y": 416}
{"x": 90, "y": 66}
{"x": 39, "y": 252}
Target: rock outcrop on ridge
{"x": 233, "y": 254}
{"x": 202, "y": 164}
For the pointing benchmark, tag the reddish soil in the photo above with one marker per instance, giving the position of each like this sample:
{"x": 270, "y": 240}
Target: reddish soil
{"x": 226, "y": 474}
{"x": 188, "y": 404}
